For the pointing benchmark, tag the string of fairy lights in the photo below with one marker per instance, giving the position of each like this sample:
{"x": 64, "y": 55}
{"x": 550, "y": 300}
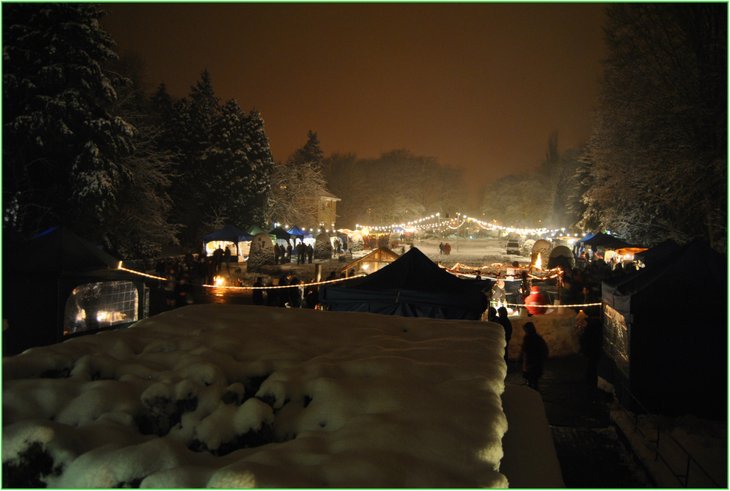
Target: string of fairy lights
{"x": 275, "y": 287}
{"x": 553, "y": 306}
{"x": 431, "y": 223}
{"x": 120, "y": 267}
{"x": 436, "y": 223}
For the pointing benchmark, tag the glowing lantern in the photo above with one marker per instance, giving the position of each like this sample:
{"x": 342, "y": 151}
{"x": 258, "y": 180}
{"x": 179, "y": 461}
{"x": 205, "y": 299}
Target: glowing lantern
{"x": 538, "y": 262}
{"x": 218, "y": 281}
{"x": 535, "y": 298}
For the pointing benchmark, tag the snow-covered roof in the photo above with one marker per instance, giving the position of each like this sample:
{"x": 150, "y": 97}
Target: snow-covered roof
{"x": 327, "y": 195}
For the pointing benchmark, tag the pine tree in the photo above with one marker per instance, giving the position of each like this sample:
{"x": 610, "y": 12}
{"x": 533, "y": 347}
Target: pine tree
{"x": 61, "y": 146}
{"x": 310, "y": 153}
{"x": 141, "y": 227}
{"x": 238, "y": 163}
{"x": 261, "y": 164}
{"x": 191, "y": 132}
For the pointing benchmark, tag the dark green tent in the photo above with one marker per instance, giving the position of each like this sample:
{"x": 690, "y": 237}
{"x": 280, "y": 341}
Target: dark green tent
{"x": 411, "y": 286}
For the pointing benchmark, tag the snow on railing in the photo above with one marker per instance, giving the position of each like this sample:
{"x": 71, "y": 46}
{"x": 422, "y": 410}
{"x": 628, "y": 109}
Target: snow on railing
{"x": 672, "y": 458}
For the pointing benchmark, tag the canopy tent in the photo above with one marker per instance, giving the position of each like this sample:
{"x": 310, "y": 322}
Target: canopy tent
{"x": 371, "y": 262}
{"x": 280, "y": 233}
{"x": 586, "y": 237}
{"x": 297, "y": 232}
{"x": 228, "y": 233}
{"x": 659, "y": 253}
{"x": 45, "y": 274}
{"x": 665, "y": 335}
{"x": 301, "y": 235}
{"x": 606, "y": 241}
{"x": 57, "y": 251}
{"x": 255, "y": 230}
{"x": 411, "y": 286}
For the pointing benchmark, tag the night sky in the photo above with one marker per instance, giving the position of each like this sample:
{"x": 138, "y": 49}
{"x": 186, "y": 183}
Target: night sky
{"x": 477, "y": 86}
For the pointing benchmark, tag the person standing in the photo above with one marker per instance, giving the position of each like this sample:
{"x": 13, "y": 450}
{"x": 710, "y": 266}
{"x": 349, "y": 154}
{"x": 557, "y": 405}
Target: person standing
{"x": 227, "y": 259}
{"x": 590, "y": 348}
{"x": 258, "y": 293}
{"x": 534, "y": 353}
{"x": 507, "y": 325}
{"x": 301, "y": 253}
{"x": 218, "y": 259}
{"x": 498, "y": 294}
{"x": 283, "y": 294}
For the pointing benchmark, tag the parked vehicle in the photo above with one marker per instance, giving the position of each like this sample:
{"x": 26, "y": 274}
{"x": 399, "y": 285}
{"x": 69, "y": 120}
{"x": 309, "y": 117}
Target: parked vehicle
{"x": 513, "y": 247}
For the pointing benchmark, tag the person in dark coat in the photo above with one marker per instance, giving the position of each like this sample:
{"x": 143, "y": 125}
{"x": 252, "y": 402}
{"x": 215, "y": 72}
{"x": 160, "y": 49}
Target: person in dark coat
{"x": 310, "y": 253}
{"x": 288, "y": 253}
{"x": 492, "y": 314}
{"x": 283, "y": 293}
{"x": 507, "y": 325}
{"x": 227, "y": 259}
{"x": 590, "y": 347}
{"x": 295, "y": 294}
{"x": 277, "y": 253}
{"x": 218, "y": 259}
{"x": 534, "y": 353}
{"x": 311, "y": 297}
{"x": 257, "y": 293}
{"x": 301, "y": 253}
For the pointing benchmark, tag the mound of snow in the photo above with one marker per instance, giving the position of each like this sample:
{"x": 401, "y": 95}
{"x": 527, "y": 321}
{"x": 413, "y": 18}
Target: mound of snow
{"x": 238, "y": 396}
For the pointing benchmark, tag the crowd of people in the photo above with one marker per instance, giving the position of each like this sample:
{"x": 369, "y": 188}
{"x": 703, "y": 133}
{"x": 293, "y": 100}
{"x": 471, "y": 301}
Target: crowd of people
{"x": 184, "y": 275}
{"x": 284, "y": 254}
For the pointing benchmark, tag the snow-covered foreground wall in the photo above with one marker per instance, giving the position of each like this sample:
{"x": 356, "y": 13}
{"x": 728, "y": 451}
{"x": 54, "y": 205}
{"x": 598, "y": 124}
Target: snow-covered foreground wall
{"x": 341, "y": 400}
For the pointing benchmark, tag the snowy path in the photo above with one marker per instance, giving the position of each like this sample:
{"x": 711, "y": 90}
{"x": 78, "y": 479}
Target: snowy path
{"x": 582, "y": 431}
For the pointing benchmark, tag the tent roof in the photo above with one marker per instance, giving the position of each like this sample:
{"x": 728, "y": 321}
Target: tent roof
{"x": 379, "y": 255}
{"x": 411, "y": 285}
{"x": 280, "y": 233}
{"x": 659, "y": 253}
{"x": 695, "y": 259}
{"x": 228, "y": 232}
{"x": 412, "y": 271}
{"x": 255, "y": 230}
{"x": 605, "y": 240}
{"x": 587, "y": 236}
{"x": 58, "y": 250}
{"x": 297, "y": 231}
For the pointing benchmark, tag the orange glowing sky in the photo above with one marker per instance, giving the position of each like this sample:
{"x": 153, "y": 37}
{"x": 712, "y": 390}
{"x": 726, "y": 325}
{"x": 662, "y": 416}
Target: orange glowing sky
{"x": 478, "y": 86}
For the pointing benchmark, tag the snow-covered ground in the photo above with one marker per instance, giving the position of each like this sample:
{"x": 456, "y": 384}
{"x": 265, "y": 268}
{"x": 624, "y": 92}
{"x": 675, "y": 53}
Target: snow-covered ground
{"x": 471, "y": 252}
{"x": 237, "y": 396}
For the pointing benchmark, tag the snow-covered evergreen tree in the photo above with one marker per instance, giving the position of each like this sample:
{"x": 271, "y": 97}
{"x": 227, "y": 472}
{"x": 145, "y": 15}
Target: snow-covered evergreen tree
{"x": 238, "y": 164}
{"x": 261, "y": 164}
{"x": 311, "y": 153}
{"x": 141, "y": 227}
{"x": 191, "y": 131}
{"x": 61, "y": 146}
